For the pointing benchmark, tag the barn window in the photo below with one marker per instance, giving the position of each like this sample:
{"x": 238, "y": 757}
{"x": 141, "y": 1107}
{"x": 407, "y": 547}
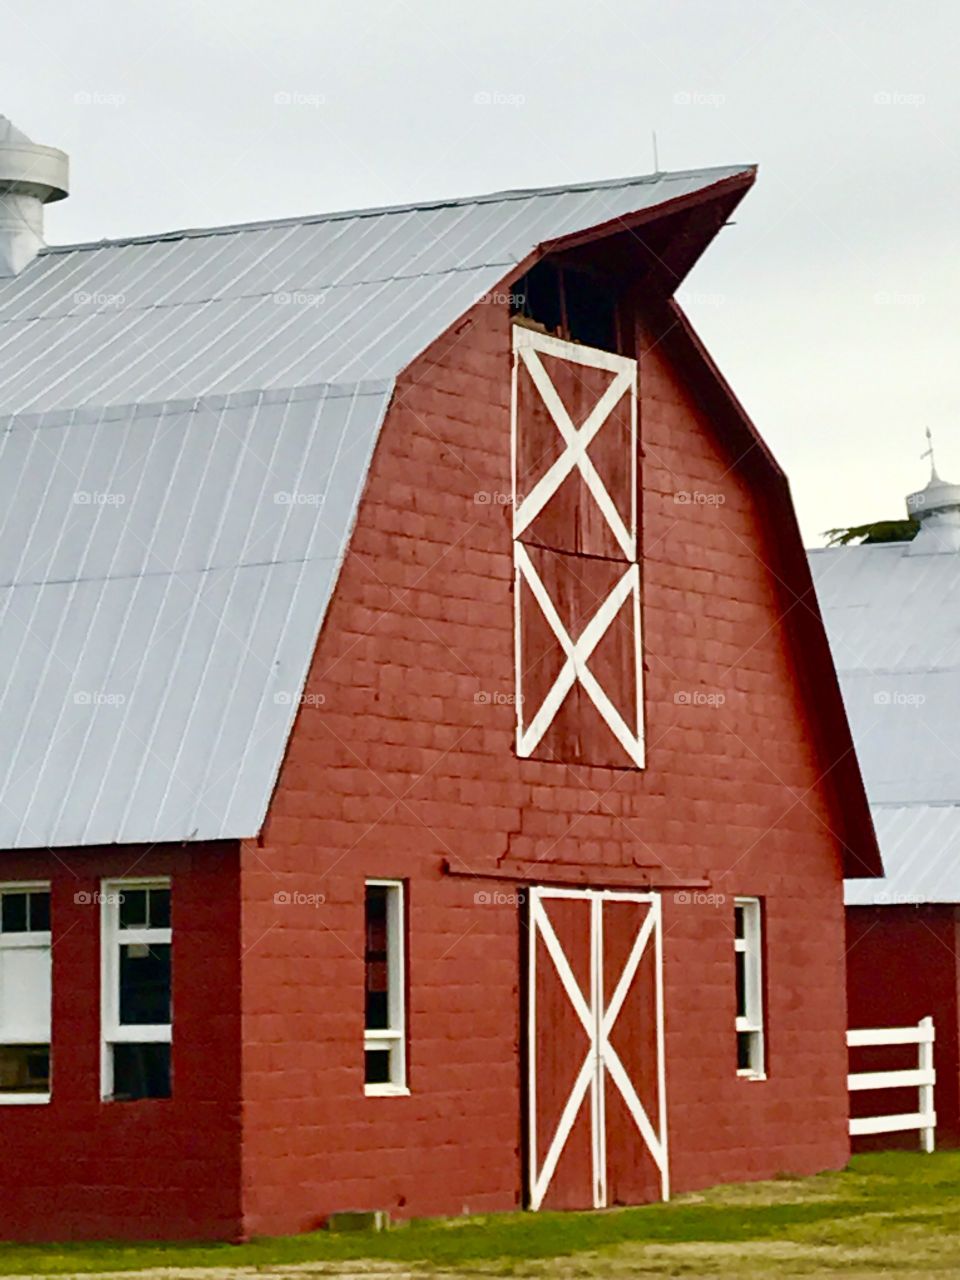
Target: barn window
{"x": 571, "y": 303}
{"x": 384, "y": 1037}
{"x": 25, "y": 969}
{"x": 748, "y": 952}
{"x": 136, "y": 989}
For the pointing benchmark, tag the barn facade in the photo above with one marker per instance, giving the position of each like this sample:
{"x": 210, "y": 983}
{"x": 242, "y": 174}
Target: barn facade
{"x": 895, "y": 634}
{"x": 422, "y": 791}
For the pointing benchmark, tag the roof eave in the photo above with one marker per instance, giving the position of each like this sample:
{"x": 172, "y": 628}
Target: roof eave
{"x": 814, "y": 659}
{"x": 735, "y": 187}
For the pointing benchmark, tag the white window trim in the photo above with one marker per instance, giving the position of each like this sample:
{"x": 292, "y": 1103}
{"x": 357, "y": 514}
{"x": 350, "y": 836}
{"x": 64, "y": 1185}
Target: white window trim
{"x": 111, "y": 1030}
{"x": 28, "y": 941}
{"x": 751, "y": 945}
{"x": 395, "y": 1037}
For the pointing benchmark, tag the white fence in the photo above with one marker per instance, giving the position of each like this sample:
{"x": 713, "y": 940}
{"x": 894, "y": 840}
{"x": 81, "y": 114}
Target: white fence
{"x": 922, "y": 1077}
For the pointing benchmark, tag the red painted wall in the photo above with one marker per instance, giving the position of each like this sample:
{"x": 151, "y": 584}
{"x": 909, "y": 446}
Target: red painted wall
{"x": 902, "y": 965}
{"x": 403, "y": 758}
{"x": 79, "y": 1168}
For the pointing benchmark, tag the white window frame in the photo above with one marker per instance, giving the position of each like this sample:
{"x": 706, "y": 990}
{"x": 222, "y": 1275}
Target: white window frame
{"x": 39, "y": 940}
{"x": 751, "y": 1022}
{"x": 394, "y": 1038}
{"x": 112, "y": 1031}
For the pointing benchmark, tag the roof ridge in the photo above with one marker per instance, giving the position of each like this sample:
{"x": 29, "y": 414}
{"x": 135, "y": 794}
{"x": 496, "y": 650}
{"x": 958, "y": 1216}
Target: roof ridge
{"x": 493, "y": 197}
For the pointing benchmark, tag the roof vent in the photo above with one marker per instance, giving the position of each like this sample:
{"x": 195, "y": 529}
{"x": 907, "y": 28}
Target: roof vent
{"x": 30, "y": 177}
{"x": 937, "y": 507}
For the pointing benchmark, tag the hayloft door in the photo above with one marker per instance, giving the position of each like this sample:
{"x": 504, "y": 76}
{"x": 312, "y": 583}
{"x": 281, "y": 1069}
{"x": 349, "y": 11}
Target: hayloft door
{"x": 596, "y": 1106}
{"x": 579, "y": 653}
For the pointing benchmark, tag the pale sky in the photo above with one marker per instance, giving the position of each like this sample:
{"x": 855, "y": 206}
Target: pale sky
{"x": 830, "y": 306}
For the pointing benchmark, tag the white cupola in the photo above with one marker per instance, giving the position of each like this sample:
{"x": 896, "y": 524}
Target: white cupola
{"x": 937, "y": 508}
{"x": 30, "y": 177}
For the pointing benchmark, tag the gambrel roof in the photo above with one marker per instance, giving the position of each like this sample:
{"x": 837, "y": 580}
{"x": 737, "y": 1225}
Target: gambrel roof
{"x": 188, "y": 422}
{"x": 340, "y": 298}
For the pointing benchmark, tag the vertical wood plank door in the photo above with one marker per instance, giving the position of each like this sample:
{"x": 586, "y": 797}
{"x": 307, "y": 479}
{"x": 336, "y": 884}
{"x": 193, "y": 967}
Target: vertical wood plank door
{"x": 595, "y": 1098}
{"x": 578, "y": 659}
{"x": 579, "y": 652}
{"x": 574, "y": 447}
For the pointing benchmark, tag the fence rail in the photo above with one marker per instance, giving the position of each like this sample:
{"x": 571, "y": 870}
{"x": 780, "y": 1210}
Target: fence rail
{"x": 923, "y": 1077}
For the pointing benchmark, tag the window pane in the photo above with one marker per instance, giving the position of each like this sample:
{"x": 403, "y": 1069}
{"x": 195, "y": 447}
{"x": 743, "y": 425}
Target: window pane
{"x": 741, "y": 959}
{"x": 745, "y": 1050}
{"x": 375, "y": 959}
{"x": 133, "y": 908}
{"x": 40, "y": 912}
{"x": 738, "y": 922}
{"x": 145, "y": 984}
{"x": 377, "y": 1066}
{"x": 25, "y": 1068}
{"x": 13, "y": 913}
{"x": 159, "y": 908}
{"x": 141, "y": 1071}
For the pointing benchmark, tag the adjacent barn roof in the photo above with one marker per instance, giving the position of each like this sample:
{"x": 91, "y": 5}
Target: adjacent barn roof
{"x": 893, "y": 621}
{"x": 188, "y": 423}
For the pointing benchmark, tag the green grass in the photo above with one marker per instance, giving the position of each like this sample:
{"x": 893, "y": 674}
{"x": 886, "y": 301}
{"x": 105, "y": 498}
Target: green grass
{"x": 896, "y": 1212}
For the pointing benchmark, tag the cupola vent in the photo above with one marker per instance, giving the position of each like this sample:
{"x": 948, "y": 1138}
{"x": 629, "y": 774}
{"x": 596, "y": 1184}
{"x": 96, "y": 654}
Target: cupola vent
{"x": 30, "y": 177}
{"x": 937, "y": 508}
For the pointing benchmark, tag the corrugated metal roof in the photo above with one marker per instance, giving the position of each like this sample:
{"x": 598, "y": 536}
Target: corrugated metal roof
{"x": 343, "y": 298}
{"x": 159, "y": 601}
{"x": 893, "y": 620}
{"x": 164, "y": 568}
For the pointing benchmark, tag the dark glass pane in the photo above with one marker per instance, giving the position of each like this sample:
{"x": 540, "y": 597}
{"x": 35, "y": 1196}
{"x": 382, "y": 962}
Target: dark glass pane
{"x": 25, "y": 1068}
{"x": 738, "y": 925}
{"x": 377, "y": 1011}
{"x": 375, "y": 959}
{"x": 133, "y": 908}
{"x": 13, "y": 913}
{"x": 744, "y": 1039}
{"x": 144, "y": 984}
{"x": 377, "y": 1066}
{"x": 741, "y": 984}
{"x": 141, "y": 1071}
{"x": 159, "y": 908}
{"x": 40, "y": 912}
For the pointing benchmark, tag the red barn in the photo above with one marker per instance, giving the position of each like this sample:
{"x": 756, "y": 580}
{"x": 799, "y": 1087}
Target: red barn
{"x": 422, "y": 791}
{"x": 895, "y": 633}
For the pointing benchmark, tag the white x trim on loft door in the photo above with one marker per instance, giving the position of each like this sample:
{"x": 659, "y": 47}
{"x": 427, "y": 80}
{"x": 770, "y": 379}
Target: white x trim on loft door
{"x": 528, "y": 343}
{"x": 577, "y": 656}
{"x": 601, "y": 1058}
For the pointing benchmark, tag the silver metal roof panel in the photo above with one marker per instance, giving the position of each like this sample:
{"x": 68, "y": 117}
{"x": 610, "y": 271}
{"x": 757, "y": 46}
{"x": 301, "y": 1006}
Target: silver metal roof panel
{"x": 164, "y": 572}
{"x": 893, "y": 620}
{"x": 189, "y": 312}
{"x": 921, "y": 857}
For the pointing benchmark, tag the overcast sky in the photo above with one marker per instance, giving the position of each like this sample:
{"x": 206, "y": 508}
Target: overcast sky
{"x": 832, "y": 304}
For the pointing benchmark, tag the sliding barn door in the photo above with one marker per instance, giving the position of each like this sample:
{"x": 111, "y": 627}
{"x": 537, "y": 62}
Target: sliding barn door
{"x": 596, "y": 1107}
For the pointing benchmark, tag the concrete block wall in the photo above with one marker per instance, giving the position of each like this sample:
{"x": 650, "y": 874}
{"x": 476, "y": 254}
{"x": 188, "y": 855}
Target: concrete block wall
{"x": 402, "y": 760}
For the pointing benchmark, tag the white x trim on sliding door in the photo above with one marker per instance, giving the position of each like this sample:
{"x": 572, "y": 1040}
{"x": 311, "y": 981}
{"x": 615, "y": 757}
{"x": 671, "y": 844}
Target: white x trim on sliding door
{"x": 601, "y": 1057}
{"x": 577, "y": 654}
{"x": 577, "y": 439}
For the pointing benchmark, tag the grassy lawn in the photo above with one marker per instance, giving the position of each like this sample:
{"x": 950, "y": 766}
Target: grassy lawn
{"x": 896, "y": 1213}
